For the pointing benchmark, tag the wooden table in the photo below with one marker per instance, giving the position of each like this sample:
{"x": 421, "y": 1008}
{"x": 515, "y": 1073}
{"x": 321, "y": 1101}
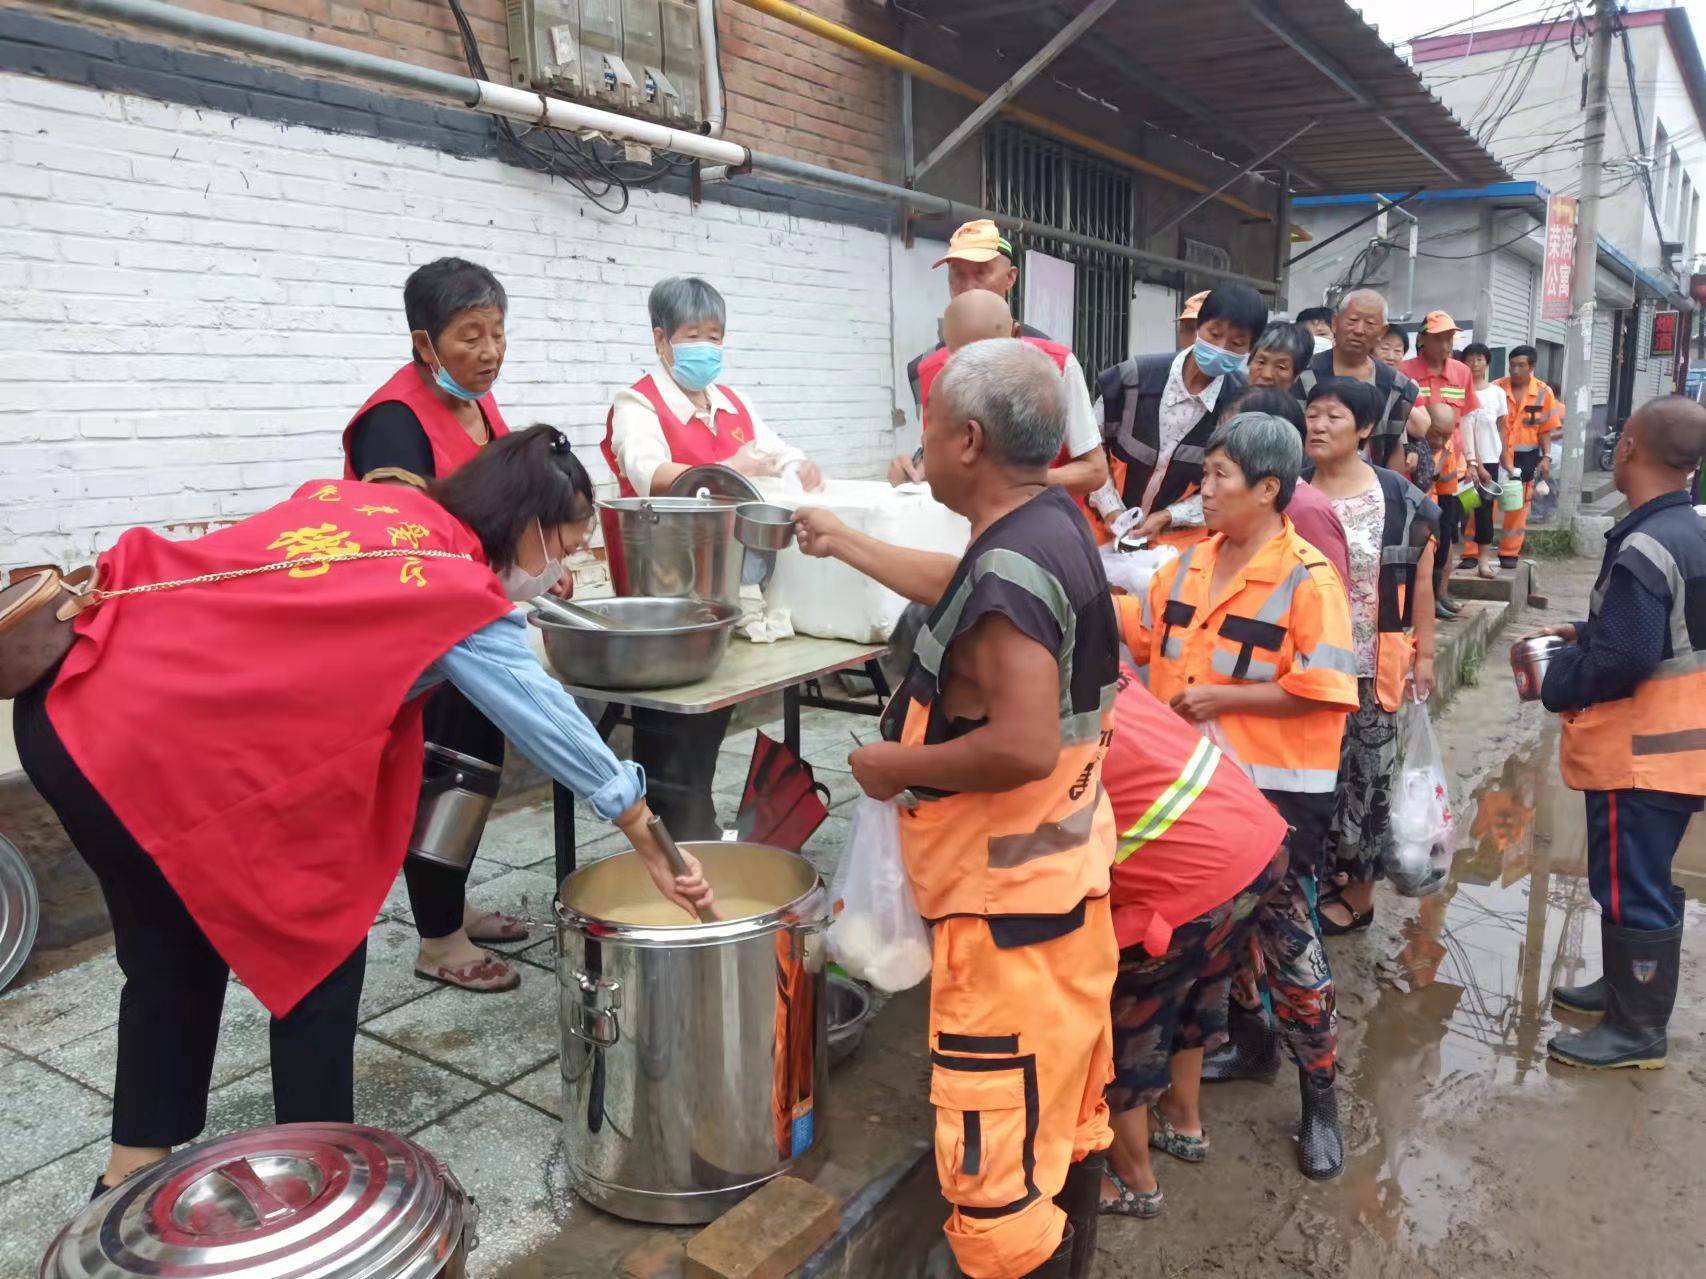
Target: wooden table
{"x": 794, "y": 667}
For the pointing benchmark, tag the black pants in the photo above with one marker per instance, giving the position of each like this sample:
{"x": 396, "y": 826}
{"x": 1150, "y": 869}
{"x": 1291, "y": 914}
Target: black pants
{"x": 174, "y": 980}
{"x": 1450, "y": 521}
{"x": 438, "y": 893}
{"x": 679, "y": 754}
{"x": 1484, "y": 522}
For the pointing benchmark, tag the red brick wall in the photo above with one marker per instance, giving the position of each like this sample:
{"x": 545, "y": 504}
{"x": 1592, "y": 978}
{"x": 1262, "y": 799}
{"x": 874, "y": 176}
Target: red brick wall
{"x": 788, "y": 91}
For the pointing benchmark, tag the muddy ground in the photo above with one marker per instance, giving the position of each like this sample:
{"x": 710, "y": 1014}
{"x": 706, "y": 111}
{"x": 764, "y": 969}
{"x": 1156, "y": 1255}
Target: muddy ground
{"x": 1471, "y": 1155}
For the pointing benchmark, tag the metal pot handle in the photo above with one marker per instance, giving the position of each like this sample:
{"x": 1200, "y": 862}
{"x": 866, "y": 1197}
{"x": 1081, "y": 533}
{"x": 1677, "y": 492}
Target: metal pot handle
{"x": 594, "y": 1021}
{"x": 650, "y": 512}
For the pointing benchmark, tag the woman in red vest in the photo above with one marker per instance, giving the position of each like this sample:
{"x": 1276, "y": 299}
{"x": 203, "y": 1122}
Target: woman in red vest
{"x": 238, "y": 757}
{"x": 676, "y": 417}
{"x": 434, "y": 414}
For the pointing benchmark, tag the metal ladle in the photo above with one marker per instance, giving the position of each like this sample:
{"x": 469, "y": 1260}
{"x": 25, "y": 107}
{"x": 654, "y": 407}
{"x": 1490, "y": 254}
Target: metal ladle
{"x": 574, "y": 615}
{"x": 677, "y": 863}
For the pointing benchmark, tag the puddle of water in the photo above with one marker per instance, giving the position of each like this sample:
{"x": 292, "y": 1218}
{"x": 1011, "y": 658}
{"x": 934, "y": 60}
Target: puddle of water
{"x": 1464, "y": 1005}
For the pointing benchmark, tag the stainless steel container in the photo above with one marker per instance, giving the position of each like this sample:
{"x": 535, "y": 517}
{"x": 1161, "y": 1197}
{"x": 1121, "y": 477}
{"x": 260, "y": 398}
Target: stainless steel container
{"x": 672, "y": 546}
{"x": 296, "y": 1201}
{"x": 764, "y": 526}
{"x": 695, "y": 1057}
{"x": 662, "y": 643}
{"x": 1529, "y": 660}
{"x": 20, "y": 911}
{"x": 457, "y": 794}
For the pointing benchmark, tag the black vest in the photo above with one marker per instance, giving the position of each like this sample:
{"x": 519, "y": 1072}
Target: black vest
{"x": 1131, "y": 428}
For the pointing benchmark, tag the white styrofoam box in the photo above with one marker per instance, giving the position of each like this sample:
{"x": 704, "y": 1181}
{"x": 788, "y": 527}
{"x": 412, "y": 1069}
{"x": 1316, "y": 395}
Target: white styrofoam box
{"x": 828, "y": 599}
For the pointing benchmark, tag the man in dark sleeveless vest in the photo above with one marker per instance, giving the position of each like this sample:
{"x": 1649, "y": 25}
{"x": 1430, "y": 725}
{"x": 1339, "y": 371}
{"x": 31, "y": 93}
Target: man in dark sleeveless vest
{"x": 1631, "y": 687}
{"x": 1159, "y": 410}
{"x": 998, "y": 731}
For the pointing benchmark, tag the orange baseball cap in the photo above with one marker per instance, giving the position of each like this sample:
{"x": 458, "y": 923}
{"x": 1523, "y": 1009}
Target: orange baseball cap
{"x": 1193, "y": 304}
{"x": 1439, "y": 322}
{"x": 979, "y": 241}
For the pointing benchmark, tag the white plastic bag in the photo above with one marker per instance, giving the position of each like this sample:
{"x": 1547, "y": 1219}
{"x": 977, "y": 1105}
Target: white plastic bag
{"x": 877, "y": 934}
{"x": 1132, "y": 571}
{"x": 1424, "y": 832}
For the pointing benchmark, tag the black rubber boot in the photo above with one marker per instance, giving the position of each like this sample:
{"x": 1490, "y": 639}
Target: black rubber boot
{"x": 1251, "y": 1050}
{"x": 1081, "y": 1200}
{"x": 1641, "y": 971}
{"x": 1589, "y": 998}
{"x": 1320, "y": 1144}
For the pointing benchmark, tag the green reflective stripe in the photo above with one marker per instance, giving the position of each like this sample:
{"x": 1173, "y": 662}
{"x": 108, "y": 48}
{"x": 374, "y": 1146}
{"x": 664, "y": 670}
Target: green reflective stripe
{"x": 1328, "y": 657}
{"x": 1086, "y": 726}
{"x": 1452, "y": 393}
{"x": 1036, "y": 581}
{"x": 1225, "y": 663}
{"x": 1172, "y": 803}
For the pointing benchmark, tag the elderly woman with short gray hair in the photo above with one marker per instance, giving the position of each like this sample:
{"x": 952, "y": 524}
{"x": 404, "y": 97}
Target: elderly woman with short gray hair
{"x": 680, "y": 414}
{"x": 1248, "y": 635}
{"x": 433, "y": 415}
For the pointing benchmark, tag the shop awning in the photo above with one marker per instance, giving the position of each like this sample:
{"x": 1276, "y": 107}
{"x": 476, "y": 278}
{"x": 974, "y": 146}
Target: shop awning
{"x": 1307, "y": 80}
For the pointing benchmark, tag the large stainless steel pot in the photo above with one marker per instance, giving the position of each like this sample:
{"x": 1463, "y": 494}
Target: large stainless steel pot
{"x": 672, "y": 546}
{"x": 457, "y": 794}
{"x": 695, "y": 1057}
{"x": 661, "y": 643}
{"x": 295, "y": 1201}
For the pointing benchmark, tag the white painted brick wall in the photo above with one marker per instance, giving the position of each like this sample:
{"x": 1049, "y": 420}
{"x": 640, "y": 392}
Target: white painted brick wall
{"x": 192, "y": 305}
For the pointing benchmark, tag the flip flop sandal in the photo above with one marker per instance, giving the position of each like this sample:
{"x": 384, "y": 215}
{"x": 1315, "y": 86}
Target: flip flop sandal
{"x": 499, "y": 929}
{"x": 1130, "y": 1203}
{"x": 488, "y": 976}
{"x": 1193, "y": 1150}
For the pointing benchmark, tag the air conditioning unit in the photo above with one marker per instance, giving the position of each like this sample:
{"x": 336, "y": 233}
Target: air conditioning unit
{"x": 638, "y": 57}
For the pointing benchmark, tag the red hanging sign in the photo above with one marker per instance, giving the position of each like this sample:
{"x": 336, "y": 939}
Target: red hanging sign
{"x": 1560, "y": 262}
{"x": 1664, "y": 333}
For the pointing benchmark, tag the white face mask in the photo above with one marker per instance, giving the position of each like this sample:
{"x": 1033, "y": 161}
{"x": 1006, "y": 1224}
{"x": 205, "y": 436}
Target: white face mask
{"x": 520, "y": 585}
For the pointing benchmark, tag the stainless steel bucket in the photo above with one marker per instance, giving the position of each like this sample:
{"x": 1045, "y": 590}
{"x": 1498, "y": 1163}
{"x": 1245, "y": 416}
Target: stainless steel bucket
{"x": 457, "y": 794}
{"x": 695, "y": 1057}
{"x": 673, "y": 546}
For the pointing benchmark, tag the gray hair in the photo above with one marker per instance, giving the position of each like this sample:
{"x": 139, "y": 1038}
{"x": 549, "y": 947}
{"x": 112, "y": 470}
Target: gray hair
{"x": 1287, "y": 339}
{"x": 1261, "y": 445}
{"x": 685, "y": 299}
{"x": 1016, "y": 394}
{"x": 1363, "y": 297}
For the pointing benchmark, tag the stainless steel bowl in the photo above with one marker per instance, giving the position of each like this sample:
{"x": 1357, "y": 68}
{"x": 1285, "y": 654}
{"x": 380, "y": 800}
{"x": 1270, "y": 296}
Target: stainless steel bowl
{"x": 764, "y": 526}
{"x": 849, "y": 1010}
{"x": 1529, "y": 660}
{"x": 664, "y": 643}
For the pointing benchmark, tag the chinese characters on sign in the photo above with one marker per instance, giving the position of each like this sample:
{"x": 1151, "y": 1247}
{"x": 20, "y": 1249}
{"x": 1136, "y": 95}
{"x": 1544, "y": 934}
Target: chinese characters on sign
{"x": 1664, "y": 333}
{"x": 1560, "y": 258}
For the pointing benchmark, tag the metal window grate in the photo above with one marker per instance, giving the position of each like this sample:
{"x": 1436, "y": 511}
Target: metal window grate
{"x": 1029, "y": 176}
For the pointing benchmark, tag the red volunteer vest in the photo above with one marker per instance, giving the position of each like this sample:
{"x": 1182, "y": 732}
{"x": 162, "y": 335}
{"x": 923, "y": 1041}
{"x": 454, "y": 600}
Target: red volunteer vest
{"x": 691, "y": 443}
{"x": 254, "y": 735}
{"x": 451, "y": 447}
{"x": 937, "y": 360}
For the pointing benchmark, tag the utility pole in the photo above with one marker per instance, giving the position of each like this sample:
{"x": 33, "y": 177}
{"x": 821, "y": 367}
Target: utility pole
{"x": 1578, "y": 351}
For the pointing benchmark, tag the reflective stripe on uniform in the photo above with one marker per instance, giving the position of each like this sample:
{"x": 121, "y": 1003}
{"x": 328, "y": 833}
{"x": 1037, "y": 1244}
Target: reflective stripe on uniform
{"x": 1328, "y": 657}
{"x": 1067, "y": 835}
{"x": 1688, "y": 739}
{"x": 1188, "y": 454}
{"x": 1654, "y": 552}
{"x": 1075, "y": 730}
{"x": 1172, "y": 803}
{"x": 1223, "y": 663}
{"x": 1306, "y": 781}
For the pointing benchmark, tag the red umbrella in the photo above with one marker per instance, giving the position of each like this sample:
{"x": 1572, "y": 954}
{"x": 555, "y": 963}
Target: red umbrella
{"x": 783, "y": 803}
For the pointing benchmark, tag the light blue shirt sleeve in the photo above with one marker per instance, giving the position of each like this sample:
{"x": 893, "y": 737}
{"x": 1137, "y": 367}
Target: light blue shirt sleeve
{"x": 498, "y": 672}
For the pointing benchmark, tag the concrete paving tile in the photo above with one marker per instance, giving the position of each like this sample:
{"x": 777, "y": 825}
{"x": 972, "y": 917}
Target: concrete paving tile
{"x": 390, "y": 981}
{"x": 519, "y": 837}
{"x": 394, "y": 1090}
{"x": 527, "y": 894}
{"x": 46, "y": 1115}
{"x": 34, "y": 1208}
{"x": 492, "y": 1037}
{"x": 542, "y": 1087}
{"x": 63, "y": 1007}
{"x": 507, "y": 1155}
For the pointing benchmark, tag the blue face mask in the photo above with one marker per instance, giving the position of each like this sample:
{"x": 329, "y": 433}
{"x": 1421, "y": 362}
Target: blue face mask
{"x": 697, "y": 364}
{"x": 448, "y": 384}
{"x": 1214, "y": 362}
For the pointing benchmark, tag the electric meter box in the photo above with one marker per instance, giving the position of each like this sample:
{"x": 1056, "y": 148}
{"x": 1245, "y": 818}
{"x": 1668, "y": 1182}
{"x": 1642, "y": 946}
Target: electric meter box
{"x": 638, "y": 57}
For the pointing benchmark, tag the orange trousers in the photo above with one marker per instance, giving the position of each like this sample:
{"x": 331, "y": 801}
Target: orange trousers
{"x": 1021, "y": 1053}
{"x": 1512, "y": 529}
